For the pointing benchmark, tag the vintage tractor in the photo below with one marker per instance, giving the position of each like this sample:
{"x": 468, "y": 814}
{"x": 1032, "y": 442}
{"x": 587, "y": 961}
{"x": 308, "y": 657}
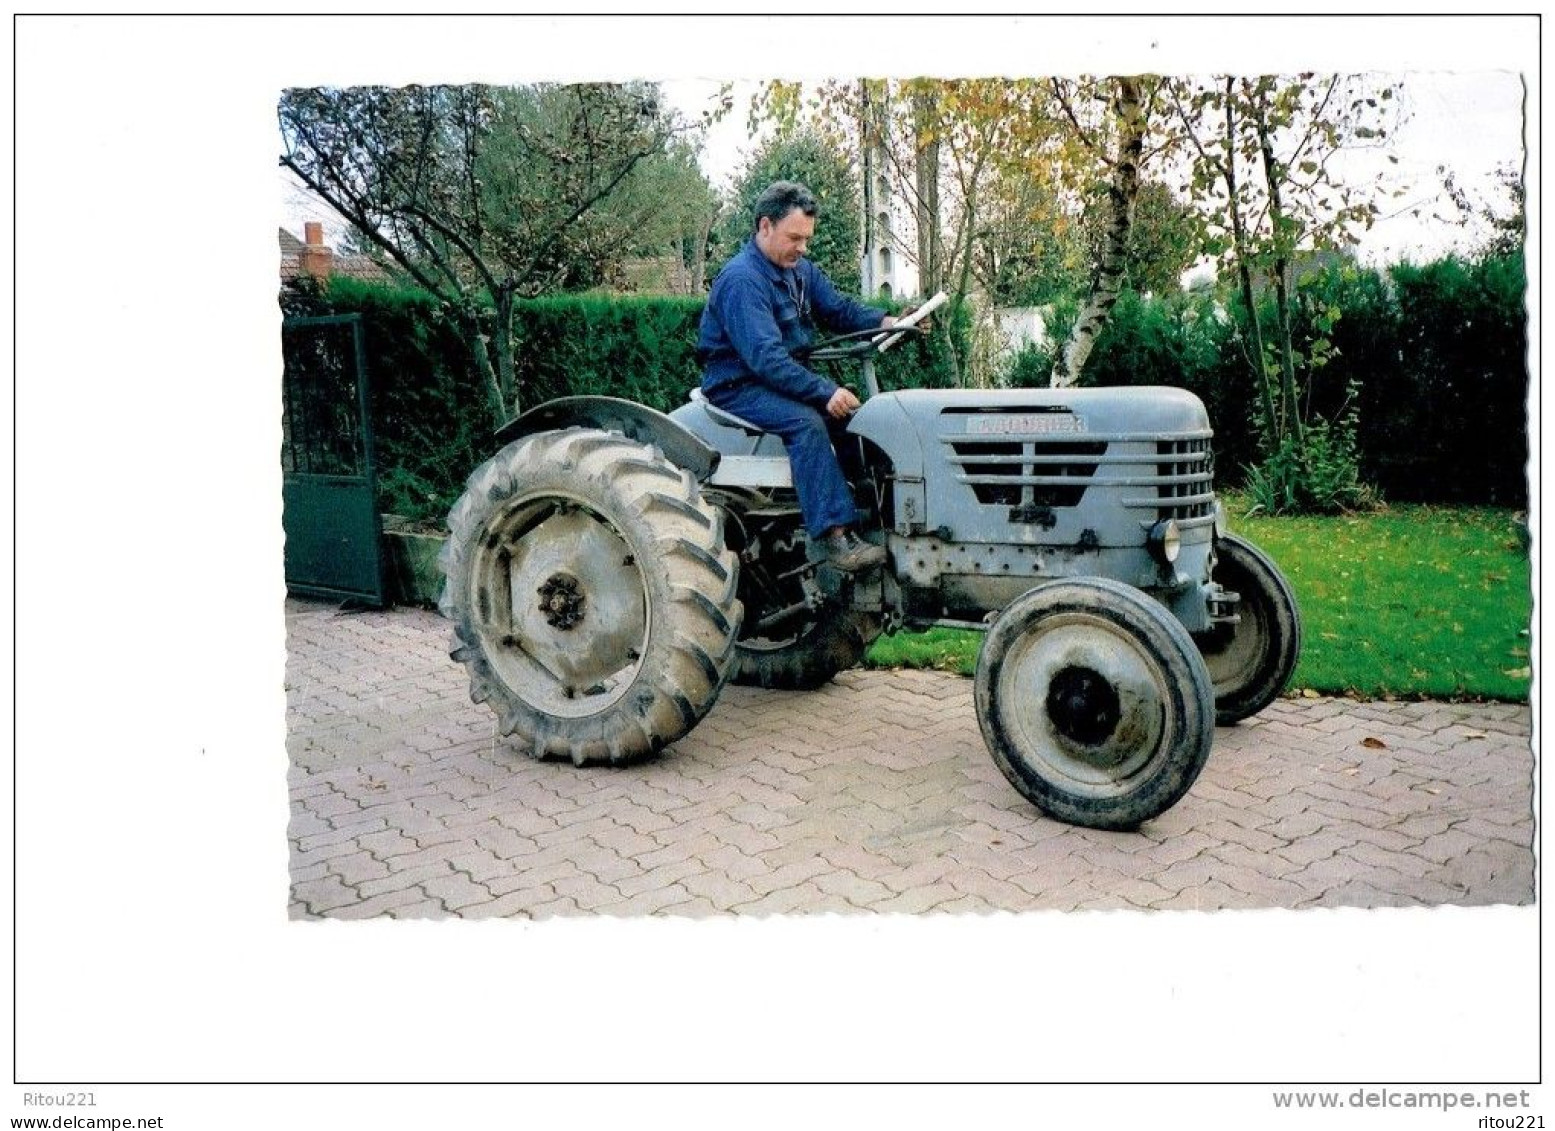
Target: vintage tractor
{"x": 611, "y": 567}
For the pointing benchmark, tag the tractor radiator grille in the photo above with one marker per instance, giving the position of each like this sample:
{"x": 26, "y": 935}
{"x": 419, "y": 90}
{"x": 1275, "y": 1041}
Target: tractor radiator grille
{"x": 1040, "y": 473}
{"x": 1037, "y": 459}
{"x": 1184, "y": 481}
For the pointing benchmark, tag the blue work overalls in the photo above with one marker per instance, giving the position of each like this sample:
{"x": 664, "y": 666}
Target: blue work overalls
{"x": 757, "y": 315}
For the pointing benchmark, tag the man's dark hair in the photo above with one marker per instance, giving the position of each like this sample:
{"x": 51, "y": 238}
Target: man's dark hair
{"x": 780, "y": 198}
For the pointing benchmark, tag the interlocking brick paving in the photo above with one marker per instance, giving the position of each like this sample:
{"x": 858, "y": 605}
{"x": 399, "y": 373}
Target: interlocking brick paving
{"x": 873, "y": 794}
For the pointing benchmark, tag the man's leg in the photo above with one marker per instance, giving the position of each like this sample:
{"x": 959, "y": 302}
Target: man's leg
{"x": 824, "y": 497}
{"x": 825, "y": 500}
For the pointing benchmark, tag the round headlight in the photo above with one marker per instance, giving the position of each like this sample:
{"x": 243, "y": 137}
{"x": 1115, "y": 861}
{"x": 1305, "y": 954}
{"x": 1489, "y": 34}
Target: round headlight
{"x": 1165, "y": 540}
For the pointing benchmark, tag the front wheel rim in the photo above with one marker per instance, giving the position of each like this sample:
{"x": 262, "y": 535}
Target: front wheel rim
{"x": 1235, "y": 654}
{"x": 1086, "y": 703}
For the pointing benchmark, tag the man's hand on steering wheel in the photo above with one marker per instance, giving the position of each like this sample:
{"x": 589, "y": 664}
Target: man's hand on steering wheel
{"x": 924, "y": 325}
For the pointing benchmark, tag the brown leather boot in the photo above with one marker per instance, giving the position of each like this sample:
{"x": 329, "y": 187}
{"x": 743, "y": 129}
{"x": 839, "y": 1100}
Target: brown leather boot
{"x": 846, "y": 550}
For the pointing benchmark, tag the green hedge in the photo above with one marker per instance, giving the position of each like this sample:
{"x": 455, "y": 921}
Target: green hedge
{"x": 430, "y": 415}
{"x": 644, "y": 349}
{"x": 1438, "y": 353}
{"x": 1447, "y": 421}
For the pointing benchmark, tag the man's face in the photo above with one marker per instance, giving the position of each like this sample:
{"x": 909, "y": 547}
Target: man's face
{"x": 785, "y": 242}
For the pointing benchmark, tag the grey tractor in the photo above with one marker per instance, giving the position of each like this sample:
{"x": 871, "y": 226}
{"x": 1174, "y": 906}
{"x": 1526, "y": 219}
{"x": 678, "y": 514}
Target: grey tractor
{"x": 611, "y": 567}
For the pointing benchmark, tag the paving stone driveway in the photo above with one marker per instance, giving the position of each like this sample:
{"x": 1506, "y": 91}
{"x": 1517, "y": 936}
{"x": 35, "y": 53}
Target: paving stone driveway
{"x": 873, "y": 795}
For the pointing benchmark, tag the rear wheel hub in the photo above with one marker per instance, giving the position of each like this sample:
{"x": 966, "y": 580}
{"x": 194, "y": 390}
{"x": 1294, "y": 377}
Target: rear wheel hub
{"x": 562, "y": 601}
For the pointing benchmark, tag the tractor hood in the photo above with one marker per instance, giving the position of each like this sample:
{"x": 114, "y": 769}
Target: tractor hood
{"x": 908, "y": 424}
{"x": 1088, "y": 465}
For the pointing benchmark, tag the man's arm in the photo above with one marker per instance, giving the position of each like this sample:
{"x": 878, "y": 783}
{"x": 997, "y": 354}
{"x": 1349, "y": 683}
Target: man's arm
{"x": 839, "y": 312}
{"x": 744, "y": 307}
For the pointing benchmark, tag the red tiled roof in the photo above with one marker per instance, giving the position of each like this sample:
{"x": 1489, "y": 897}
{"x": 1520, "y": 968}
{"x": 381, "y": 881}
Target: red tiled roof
{"x": 356, "y": 266}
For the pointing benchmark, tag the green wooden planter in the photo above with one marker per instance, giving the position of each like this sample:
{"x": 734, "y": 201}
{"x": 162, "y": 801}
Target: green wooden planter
{"x": 410, "y": 563}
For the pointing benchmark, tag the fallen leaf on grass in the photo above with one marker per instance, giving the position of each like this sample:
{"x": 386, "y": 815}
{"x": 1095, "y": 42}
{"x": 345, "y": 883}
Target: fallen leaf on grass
{"x": 1518, "y": 673}
{"x": 1308, "y": 693}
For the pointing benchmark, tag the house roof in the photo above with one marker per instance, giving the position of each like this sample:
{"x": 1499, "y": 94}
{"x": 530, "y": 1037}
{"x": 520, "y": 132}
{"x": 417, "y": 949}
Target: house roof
{"x": 356, "y": 266}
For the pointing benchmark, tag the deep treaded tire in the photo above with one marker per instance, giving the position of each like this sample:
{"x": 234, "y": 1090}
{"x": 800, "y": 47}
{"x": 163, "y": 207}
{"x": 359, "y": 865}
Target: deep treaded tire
{"x": 813, "y": 645}
{"x": 821, "y": 650}
{"x": 1094, "y": 702}
{"x": 592, "y": 597}
{"x": 1251, "y": 662}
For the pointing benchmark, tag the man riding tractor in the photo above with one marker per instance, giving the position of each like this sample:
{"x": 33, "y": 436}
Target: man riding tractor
{"x": 611, "y": 567}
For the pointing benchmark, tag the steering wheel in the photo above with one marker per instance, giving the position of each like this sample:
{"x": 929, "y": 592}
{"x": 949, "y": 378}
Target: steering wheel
{"x": 856, "y": 343}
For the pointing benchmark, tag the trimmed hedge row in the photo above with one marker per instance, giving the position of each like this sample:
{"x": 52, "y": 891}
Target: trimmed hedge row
{"x": 431, "y": 419}
{"x": 1437, "y": 351}
{"x": 644, "y": 349}
{"x": 1447, "y": 420}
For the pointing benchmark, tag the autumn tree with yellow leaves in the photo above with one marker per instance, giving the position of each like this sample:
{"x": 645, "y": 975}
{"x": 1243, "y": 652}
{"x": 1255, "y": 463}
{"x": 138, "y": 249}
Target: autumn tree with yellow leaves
{"x": 1265, "y": 176}
{"x": 1242, "y": 171}
{"x": 998, "y": 173}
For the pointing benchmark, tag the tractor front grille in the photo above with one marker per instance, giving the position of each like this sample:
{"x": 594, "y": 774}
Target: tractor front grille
{"x": 1038, "y": 473}
{"x": 1181, "y": 473}
{"x": 1187, "y": 473}
{"x": 1039, "y": 460}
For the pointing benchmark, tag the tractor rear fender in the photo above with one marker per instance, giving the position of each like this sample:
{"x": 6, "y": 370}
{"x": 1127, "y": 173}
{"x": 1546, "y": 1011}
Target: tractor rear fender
{"x": 612, "y": 414}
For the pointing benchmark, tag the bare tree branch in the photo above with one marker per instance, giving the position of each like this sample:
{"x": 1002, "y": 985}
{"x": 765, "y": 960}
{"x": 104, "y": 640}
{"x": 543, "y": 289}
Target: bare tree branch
{"x": 1080, "y": 132}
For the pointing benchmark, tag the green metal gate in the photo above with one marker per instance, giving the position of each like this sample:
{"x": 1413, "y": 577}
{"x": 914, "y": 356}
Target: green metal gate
{"x": 329, "y": 488}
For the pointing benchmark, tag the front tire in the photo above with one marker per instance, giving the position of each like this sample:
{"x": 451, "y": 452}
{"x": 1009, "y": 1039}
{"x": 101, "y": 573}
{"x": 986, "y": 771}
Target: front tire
{"x": 1251, "y": 662}
{"x": 1094, "y": 703}
{"x": 592, "y": 597}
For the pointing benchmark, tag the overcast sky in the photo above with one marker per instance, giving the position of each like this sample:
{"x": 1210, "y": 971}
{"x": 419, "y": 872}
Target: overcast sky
{"x": 1469, "y": 122}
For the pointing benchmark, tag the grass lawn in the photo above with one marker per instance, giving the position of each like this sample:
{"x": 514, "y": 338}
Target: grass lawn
{"x": 1408, "y": 602}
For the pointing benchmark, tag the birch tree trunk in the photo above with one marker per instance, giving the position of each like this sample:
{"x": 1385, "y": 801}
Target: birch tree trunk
{"x": 476, "y": 337}
{"x": 502, "y": 332}
{"x": 1244, "y": 274}
{"x": 1128, "y": 111}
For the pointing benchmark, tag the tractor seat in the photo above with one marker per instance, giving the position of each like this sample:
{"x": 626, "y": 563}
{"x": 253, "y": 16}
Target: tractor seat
{"x": 727, "y": 419}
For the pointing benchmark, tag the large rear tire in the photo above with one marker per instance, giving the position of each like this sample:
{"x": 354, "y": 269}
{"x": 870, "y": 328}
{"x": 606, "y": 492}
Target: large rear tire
{"x": 805, "y": 646}
{"x": 1251, "y": 661}
{"x": 1094, "y": 703}
{"x": 818, "y": 649}
{"x": 593, "y": 600}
